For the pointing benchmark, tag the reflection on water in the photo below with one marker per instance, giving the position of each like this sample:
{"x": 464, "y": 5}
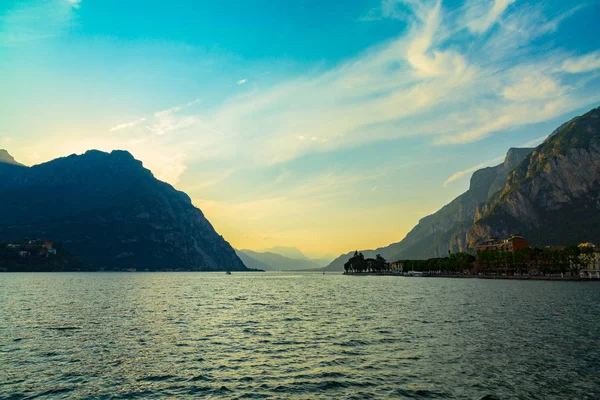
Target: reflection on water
{"x": 187, "y": 335}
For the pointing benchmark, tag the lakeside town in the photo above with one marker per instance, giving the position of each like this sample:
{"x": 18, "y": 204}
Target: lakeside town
{"x": 510, "y": 258}
{"x": 32, "y": 254}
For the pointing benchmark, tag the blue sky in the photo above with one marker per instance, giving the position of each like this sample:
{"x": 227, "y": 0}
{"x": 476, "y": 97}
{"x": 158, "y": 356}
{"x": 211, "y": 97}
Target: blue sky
{"x": 328, "y": 126}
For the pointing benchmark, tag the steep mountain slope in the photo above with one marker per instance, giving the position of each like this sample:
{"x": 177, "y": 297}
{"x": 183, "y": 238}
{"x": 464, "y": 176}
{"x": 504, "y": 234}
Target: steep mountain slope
{"x": 110, "y": 211}
{"x": 9, "y": 168}
{"x": 6, "y": 158}
{"x": 448, "y": 228}
{"x": 277, "y": 262}
{"x": 553, "y": 196}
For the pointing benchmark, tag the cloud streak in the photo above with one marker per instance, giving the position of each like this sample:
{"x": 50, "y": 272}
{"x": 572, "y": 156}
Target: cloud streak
{"x": 586, "y": 63}
{"x": 127, "y": 125}
{"x": 460, "y": 174}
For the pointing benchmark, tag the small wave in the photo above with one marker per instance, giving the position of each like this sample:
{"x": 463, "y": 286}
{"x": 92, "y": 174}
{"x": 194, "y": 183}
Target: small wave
{"x": 157, "y": 378}
{"x": 421, "y": 394}
{"x": 64, "y": 328}
{"x": 200, "y": 378}
{"x": 354, "y": 343}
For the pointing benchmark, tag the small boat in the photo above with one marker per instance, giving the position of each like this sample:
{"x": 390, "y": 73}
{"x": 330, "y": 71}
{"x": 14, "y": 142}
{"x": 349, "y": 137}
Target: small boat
{"x": 228, "y": 272}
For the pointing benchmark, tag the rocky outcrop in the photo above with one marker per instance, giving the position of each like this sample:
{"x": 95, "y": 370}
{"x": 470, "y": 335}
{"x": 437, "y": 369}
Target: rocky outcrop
{"x": 553, "y": 196}
{"x": 110, "y": 211}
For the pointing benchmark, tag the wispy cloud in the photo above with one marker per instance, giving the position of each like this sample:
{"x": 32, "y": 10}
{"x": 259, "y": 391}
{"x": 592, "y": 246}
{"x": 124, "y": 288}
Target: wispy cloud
{"x": 586, "y": 63}
{"x": 175, "y": 109}
{"x": 422, "y": 83}
{"x": 127, "y": 125}
{"x": 36, "y": 20}
{"x": 484, "y": 14}
{"x": 460, "y": 174}
{"x": 242, "y": 81}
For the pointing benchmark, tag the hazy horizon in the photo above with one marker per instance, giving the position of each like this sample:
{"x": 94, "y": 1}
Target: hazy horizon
{"x": 333, "y": 127}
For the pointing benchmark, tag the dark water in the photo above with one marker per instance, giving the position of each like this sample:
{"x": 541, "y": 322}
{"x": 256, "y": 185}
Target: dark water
{"x": 191, "y": 335}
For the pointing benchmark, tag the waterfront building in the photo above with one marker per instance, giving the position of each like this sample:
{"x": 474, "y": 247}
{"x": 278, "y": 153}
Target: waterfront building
{"x": 593, "y": 269}
{"x": 513, "y": 243}
{"x": 491, "y": 244}
{"x": 397, "y": 267}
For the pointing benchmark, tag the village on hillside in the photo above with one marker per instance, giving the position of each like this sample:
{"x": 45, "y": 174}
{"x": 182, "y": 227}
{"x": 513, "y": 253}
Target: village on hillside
{"x": 32, "y": 254}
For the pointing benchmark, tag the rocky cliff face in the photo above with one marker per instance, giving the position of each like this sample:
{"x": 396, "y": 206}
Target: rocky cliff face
{"x": 553, "y": 196}
{"x": 448, "y": 228}
{"x": 110, "y": 211}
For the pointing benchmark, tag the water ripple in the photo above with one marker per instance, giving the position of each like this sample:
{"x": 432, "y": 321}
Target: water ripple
{"x": 271, "y": 336}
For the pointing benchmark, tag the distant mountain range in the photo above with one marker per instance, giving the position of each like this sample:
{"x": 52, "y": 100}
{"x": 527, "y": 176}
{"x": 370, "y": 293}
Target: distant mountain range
{"x": 109, "y": 211}
{"x": 279, "y": 259}
{"x": 551, "y": 194}
{"x": 294, "y": 253}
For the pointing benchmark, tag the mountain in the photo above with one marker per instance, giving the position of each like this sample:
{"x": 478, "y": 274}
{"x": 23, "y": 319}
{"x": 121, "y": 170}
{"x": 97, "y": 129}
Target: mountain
{"x": 289, "y": 252}
{"x": 6, "y": 158}
{"x": 277, "y": 262}
{"x": 294, "y": 253}
{"x": 252, "y": 262}
{"x": 550, "y": 194}
{"x": 553, "y": 196}
{"x": 8, "y": 166}
{"x": 109, "y": 211}
{"x": 448, "y": 228}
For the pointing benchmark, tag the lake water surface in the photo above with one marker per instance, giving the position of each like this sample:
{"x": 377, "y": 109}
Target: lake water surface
{"x": 309, "y": 336}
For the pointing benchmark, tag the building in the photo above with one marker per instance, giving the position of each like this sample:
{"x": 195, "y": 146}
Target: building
{"x": 51, "y": 251}
{"x": 47, "y": 245}
{"x": 23, "y": 254}
{"x": 491, "y": 244}
{"x": 397, "y": 267}
{"x": 513, "y": 243}
{"x": 593, "y": 269}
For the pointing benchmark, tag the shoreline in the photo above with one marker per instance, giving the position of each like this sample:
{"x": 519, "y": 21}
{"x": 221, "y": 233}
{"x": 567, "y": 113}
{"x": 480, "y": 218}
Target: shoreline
{"x": 510, "y": 277}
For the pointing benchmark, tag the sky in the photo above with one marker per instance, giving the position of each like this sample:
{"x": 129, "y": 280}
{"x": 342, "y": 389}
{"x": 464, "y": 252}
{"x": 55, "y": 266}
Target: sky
{"x": 325, "y": 125}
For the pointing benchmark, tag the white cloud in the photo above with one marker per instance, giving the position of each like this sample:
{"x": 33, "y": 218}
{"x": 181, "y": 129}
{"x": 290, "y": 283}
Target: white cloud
{"x": 425, "y": 82}
{"x": 438, "y": 62}
{"x": 460, "y": 174}
{"x": 312, "y": 138}
{"x": 127, "y": 125}
{"x": 482, "y": 21}
{"x": 533, "y": 87}
{"x": 242, "y": 81}
{"x": 421, "y": 83}
{"x": 586, "y": 63}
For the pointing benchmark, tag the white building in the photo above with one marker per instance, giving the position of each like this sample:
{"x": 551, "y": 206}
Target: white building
{"x": 593, "y": 269}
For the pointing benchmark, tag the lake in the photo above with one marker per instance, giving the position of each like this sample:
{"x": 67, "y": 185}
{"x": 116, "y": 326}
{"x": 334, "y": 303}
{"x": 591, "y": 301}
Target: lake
{"x": 305, "y": 336}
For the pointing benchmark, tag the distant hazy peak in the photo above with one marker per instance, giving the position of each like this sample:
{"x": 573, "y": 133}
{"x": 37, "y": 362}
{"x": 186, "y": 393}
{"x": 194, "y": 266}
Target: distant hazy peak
{"x": 6, "y": 158}
{"x": 289, "y": 252}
